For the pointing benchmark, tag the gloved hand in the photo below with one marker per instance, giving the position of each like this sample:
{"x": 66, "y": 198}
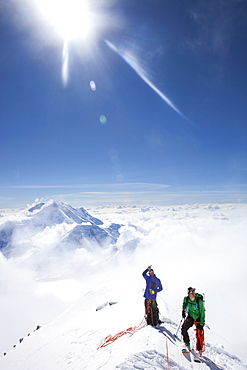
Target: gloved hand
{"x": 199, "y": 326}
{"x": 183, "y": 314}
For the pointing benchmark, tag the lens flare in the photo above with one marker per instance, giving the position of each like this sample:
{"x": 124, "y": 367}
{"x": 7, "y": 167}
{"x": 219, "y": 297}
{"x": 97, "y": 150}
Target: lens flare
{"x": 93, "y": 85}
{"x": 65, "y": 63}
{"x": 103, "y": 119}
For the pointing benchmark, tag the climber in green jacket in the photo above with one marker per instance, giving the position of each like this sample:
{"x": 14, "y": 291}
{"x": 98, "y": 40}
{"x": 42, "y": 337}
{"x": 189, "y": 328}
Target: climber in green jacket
{"x": 194, "y": 308}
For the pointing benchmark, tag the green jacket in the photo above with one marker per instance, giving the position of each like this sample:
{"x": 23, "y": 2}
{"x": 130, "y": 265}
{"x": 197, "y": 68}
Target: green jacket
{"x": 195, "y": 308}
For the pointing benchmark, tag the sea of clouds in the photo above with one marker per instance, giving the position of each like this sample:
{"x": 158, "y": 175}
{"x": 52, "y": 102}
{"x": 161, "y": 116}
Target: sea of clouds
{"x": 201, "y": 245}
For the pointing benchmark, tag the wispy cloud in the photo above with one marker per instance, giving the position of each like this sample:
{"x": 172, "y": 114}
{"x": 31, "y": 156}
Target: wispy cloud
{"x": 134, "y": 64}
{"x": 156, "y": 194}
{"x": 118, "y": 186}
{"x": 153, "y": 197}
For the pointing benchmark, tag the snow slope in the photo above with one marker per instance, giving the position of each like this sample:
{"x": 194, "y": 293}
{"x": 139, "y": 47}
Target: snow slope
{"x": 72, "y": 340}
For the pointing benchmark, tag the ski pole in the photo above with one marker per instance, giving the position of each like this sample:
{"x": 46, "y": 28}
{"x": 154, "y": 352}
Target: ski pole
{"x": 179, "y": 327}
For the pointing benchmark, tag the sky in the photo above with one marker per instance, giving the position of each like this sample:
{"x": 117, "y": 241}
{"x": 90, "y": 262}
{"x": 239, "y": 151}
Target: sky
{"x": 134, "y": 101}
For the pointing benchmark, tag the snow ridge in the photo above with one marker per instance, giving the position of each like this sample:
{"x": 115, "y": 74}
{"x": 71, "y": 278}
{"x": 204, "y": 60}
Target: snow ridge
{"x": 71, "y": 341}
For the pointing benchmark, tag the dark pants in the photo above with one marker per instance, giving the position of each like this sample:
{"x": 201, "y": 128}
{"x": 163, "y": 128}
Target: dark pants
{"x": 152, "y": 311}
{"x": 188, "y": 323}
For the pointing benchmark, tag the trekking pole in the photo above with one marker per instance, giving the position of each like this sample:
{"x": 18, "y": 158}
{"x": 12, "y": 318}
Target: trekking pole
{"x": 179, "y": 327}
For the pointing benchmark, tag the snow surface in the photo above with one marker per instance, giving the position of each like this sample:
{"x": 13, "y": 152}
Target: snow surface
{"x": 72, "y": 341}
{"x": 81, "y": 295}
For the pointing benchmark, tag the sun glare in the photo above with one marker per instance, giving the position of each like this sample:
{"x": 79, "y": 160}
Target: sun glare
{"x": 70, "y": 18}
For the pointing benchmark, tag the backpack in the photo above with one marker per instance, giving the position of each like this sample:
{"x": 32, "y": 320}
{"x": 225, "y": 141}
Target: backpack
{"x": 199, "y": 297}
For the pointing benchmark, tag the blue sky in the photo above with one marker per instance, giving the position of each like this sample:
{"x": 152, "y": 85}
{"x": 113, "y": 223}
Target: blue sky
{"x": 148, "y": 108}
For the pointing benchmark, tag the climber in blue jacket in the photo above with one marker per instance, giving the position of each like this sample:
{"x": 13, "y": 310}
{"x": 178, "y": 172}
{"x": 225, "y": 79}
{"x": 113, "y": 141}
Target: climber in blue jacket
{"x": 153, "y": 286}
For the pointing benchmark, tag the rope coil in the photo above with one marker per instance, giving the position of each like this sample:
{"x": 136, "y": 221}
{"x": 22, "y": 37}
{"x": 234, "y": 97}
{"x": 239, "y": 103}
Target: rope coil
{"x": 110, "y": 339}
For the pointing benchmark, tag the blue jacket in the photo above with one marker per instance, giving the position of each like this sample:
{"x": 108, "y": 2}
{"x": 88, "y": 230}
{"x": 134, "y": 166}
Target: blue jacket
{"x": 153, "y": 286}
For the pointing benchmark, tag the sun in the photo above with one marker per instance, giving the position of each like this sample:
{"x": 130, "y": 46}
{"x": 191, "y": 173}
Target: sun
{"x": 71, "y": 19}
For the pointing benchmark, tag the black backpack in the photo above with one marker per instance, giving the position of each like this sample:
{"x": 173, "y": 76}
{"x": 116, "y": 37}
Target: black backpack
{"x": 199, "y": 297}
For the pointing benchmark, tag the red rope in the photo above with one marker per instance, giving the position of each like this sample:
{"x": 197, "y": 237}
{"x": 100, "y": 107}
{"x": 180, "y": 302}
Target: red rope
{"x": 167, "y": 357}
{"x": 110, "y": 339}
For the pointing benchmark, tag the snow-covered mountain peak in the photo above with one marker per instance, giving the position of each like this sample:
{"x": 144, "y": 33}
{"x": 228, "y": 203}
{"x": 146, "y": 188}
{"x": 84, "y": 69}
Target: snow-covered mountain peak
{"x": 53, "y": 213}
{"x": 71, "y": 227}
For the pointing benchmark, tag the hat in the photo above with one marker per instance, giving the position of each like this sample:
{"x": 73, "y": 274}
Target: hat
{"x": 191, "y": 290}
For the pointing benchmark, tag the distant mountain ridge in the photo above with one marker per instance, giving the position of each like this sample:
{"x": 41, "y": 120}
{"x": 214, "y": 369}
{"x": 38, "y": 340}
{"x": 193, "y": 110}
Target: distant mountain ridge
{"x": 52, "y": 214}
